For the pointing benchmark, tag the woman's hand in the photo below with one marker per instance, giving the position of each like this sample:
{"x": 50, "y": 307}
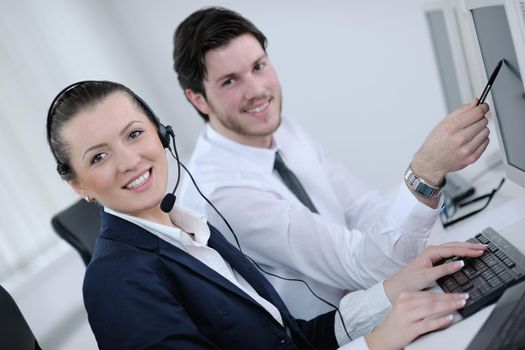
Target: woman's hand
{"x": 421, "y": 272}
{"x": 414, "y": 314}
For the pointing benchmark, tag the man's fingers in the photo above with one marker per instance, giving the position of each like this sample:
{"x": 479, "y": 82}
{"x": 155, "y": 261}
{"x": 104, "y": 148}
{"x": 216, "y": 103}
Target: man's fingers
{"x": 473, "y": 137}
{"x": 464, "y": 108}
{"x": 482, "y": 139}
{"x": 470, "y": 115}
{"x": 474, "y": 129}
{"x": 480, "y": 149}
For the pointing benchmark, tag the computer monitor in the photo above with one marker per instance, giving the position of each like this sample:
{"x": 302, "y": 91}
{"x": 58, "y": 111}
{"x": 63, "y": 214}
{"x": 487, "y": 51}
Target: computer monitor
{"x": 499, "y": 33}
{"x": 448, "y": 51}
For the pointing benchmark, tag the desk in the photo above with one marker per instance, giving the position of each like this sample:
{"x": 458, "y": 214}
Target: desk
{"x": 506, "y": 214}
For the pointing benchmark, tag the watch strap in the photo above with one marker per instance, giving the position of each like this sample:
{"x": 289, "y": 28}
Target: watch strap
{"x": 422, "y": 187}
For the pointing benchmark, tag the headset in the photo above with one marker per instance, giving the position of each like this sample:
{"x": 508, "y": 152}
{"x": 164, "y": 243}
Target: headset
{"x": 166, "y": 133}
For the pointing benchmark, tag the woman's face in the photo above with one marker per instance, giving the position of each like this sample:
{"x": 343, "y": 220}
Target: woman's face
{"x": 117, "y": 156}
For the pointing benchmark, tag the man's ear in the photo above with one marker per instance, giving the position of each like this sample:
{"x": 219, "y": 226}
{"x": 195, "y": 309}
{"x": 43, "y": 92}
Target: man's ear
{"x": 198, "y": 100}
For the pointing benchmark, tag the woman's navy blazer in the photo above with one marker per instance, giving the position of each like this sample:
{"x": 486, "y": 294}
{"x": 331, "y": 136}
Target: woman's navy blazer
{"x": 141, "y": 292}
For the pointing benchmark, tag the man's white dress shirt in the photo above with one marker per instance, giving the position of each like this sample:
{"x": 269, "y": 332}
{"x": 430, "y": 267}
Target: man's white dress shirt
{"x": 356, "y": 240}
{"x": 368, "y": 316}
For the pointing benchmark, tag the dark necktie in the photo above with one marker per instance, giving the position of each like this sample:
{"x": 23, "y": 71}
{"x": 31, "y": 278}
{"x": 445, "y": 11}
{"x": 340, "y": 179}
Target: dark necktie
{"x": 292, "y": 182}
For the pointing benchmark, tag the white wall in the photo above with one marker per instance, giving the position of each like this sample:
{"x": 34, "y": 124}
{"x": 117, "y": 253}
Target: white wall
{"x": 360, "y": 76}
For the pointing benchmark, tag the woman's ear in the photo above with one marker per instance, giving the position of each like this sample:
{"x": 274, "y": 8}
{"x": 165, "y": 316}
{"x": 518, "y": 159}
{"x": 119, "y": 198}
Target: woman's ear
{"x": 197, "y": 100}
{"x": 77, "y": 187}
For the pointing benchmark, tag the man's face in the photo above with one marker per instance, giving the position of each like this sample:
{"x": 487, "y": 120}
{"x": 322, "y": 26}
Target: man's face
{"x": 243, "y": 95}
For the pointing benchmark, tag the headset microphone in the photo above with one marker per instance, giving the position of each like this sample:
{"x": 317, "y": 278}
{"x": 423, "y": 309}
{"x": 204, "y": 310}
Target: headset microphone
{"x": 169, "y": 199}
{"x": 168, "y": 202}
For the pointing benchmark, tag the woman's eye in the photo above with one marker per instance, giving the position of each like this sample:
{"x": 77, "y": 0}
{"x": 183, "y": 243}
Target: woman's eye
{"x": 134, "y": 134}
{"x": 97, "y": 158}
{"x": 227, "y": 82}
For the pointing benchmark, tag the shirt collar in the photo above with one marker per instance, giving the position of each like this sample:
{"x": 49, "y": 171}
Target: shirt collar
{"x": 254, "y": 157}
{"x": 188, "y": 220}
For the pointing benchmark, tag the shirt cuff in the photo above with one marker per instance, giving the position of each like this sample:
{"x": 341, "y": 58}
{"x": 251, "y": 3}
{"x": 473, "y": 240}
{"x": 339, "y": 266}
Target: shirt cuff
{"x": 409, "y": 214}
{"x": 362, "y": 312}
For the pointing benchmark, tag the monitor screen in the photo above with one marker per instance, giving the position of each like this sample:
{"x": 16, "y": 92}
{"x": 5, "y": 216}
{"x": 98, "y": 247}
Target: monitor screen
{"x": 495, "y": 41}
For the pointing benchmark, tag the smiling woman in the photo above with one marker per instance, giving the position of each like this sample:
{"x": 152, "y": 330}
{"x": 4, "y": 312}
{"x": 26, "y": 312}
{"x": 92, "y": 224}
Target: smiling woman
{"x": 108, "y": 146}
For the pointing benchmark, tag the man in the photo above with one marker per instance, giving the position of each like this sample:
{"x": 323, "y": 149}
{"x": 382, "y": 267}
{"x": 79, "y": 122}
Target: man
{"x": 332, "y": 230}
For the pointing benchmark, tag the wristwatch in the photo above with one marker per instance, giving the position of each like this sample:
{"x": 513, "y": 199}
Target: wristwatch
{"x": 421, "y": 186}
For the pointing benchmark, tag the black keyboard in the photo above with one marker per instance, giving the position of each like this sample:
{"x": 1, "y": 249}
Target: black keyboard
{"x": 487, "y": 277}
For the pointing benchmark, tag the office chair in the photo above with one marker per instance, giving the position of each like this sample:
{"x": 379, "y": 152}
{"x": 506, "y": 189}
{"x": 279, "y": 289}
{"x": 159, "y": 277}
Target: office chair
{"x": 79, "y": 225}
{"x": 14, "y": 330}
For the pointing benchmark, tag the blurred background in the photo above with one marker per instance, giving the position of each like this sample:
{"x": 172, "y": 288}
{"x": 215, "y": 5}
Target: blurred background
{"x": 359, "y": 75}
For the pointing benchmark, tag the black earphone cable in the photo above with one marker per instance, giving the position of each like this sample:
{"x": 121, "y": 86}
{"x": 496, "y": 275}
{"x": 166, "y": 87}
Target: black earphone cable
{"x": 180, "y": 164}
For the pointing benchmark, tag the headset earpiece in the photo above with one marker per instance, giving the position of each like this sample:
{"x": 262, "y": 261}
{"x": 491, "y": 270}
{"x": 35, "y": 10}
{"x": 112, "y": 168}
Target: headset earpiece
{"x": 165, "y": 133}
{"x": 62, "y": 169}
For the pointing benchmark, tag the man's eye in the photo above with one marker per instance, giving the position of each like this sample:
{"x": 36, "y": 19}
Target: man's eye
{"x": 97, "y": 158}
{"x": 134, "y": 134}
{"x": 258, "y": 66}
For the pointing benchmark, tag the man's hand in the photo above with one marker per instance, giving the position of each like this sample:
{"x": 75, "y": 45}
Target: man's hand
{"x": 457, "y": 141}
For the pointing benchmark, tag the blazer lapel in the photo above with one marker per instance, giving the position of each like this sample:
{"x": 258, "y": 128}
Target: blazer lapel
{"x": 118, "y": 229}
{"x": 247, "y": 270}
{"x": 173, "y": 253}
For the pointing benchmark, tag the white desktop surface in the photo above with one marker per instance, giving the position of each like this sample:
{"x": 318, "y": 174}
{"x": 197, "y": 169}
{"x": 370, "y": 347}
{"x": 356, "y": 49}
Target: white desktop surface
{"x": 506, "y": 214}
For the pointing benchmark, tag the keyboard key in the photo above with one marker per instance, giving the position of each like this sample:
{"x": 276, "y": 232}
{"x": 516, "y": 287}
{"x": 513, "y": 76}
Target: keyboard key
{"x": 479, "y": 265}
{"x": 488, "y": 274}
{"x": 461, "y": 278}
{"x": 492, "y": 248}
{"x": 451, "y": 284}
{"x": 506, "y": 277}
{"x": 509, "y": 262}
{"x": 470, "y": 271}
{"x": 482, "y": 238}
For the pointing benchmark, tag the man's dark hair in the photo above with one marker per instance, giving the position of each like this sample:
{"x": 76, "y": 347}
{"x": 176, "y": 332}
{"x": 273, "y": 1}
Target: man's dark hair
{"x": 204, "y": 30}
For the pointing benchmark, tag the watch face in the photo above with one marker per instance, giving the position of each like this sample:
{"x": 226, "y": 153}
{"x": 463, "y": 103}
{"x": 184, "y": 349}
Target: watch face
{"x": 419, "y": 185}
{"x": 425, "y": 190}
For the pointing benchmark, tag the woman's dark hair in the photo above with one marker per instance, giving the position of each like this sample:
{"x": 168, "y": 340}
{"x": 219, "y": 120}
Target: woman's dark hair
{"x": 69, "y": 102}
{"x": 204, "y": 30}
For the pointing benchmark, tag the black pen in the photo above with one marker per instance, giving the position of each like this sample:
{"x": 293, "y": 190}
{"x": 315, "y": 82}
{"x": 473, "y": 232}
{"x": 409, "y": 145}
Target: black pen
{"x": 489, "y": 84}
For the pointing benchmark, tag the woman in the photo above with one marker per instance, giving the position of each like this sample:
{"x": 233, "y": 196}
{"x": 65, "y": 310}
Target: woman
{"x": 168, "y": 280}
